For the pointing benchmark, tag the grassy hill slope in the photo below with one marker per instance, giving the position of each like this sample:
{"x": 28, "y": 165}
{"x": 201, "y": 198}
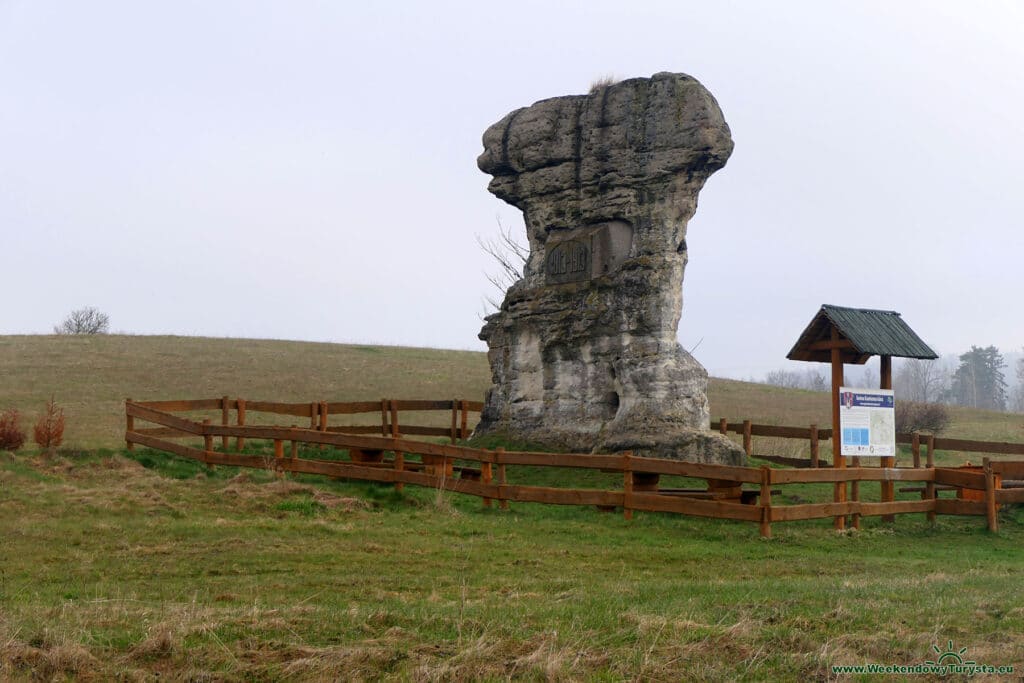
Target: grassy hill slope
{"x": 91, "y": 376}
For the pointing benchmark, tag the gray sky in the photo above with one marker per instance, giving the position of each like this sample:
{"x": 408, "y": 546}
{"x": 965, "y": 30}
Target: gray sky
{"x": 307, "y": 170}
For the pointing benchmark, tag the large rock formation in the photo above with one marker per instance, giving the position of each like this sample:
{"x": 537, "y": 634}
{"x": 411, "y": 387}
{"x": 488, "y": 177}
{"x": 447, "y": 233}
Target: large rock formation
{"x": 583, "y": 351}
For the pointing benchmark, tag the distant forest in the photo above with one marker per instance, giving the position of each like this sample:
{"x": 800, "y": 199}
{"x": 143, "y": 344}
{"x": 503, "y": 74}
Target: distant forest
{"x": 982, "y": 377}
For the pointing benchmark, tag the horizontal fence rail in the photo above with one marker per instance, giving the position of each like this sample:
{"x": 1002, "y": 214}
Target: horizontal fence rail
{"x": 317, "y": 412}
{"x": 815, "y": 436}
{"x": 737, "y": 493}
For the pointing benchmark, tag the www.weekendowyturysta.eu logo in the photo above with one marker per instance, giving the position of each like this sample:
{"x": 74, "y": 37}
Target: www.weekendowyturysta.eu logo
{"x": 947, "y": 662}
{"x": 949, "y": 657}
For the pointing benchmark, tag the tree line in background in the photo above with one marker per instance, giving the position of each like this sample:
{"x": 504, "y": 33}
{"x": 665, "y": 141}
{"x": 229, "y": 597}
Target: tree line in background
{"x": 979, "y": 381}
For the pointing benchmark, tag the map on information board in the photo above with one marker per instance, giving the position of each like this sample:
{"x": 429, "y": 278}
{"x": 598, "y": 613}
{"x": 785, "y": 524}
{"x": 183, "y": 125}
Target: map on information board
{"x": 867, "y": 418}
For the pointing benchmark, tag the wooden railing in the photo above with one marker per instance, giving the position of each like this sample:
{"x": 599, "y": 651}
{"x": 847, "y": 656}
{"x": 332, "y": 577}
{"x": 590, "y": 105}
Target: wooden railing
{"x": 815, "y": 436}
{"x": 318, "y": 414}
{"x": 738, "y": 493}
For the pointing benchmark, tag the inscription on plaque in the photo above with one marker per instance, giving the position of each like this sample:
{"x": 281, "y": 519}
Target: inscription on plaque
{"x": 568, "y": 261}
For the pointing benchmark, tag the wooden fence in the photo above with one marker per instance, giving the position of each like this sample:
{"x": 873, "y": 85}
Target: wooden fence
{"x": 815, "y": 436}
{"x": 968, "y": 481}
{"x": 318, "y": 414}
{"x": 738, "y": 493}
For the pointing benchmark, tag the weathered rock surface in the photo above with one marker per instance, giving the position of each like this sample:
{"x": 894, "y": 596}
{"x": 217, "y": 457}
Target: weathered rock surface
{"x": 583, "y": 351}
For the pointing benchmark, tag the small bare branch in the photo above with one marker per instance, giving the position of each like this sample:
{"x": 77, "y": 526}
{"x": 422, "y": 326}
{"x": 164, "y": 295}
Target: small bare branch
{"x": 511, "y": 256}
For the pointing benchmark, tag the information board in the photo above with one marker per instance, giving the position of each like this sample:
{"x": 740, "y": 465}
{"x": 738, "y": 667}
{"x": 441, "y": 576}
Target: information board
{"x": 867, "y": 419}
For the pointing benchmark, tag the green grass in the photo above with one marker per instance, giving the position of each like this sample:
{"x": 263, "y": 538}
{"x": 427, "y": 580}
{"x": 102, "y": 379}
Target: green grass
{"x": 156, "y": 566}
{"x": 111, "y": 569}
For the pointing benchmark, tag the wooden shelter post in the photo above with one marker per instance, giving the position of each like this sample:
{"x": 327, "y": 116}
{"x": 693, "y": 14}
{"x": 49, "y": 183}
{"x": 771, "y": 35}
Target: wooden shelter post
{"x": 837, "y": 458}
{"x": 888, "y": 487}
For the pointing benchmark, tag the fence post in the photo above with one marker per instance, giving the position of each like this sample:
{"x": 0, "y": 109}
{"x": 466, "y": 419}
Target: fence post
{"x": 748, "y": 440}
{"x": 855, "y": 493}
{"x": 384, "y": 417}
{"x": 766, "y": 501}
{"x": 240, "y": 441}
{"x": 929, "y": 487}
{"x": 723, "y": 426}
{"x": 129, "y": 425}
{"x": 207, "y": 441}
{"x": 815, "y": 458}
{"x": 838, "y": 461}
{"x": 627, "y": 487}
{"x": 399, "y": 467}
{"x": 278, "y": 457}
{"x": 455, "y": 416}
{"x": 323, "y": 421}
{"x": 293, "y": 452}
{"x": 486, "y": 477}
{"x": 464, "y": 424}
{"x": 224, "y": 422}
{"x": 990, "y": 496}
{"x": 314, "y": 414}
{"x": 502, "y": 500}
{"x": 915, "y": 449}
{"x": 888, "y": 486}
{"x": 393, "y": 405}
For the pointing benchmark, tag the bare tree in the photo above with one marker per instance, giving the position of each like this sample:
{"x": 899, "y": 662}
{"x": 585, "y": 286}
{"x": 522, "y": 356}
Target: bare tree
{"x": 815, "y": 380}
{"x": 811, "y": 379}
{"x": 511, "y": 256}
{"x": 788, "y": 379}
{"x": 869, "y": 378}
{"x": 86, "y": 320}
{"x": 920, "y": 380}
{"x": 1018, "y": 401}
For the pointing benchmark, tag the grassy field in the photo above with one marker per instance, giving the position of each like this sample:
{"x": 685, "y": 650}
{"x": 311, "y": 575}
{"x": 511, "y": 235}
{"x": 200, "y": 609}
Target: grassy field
{"x": 144, "y": 567}
{"x": 114, "y": 570}
{"x": 91, "y": 377}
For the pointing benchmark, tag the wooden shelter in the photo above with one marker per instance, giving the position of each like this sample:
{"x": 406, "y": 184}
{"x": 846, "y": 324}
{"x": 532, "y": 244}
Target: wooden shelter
{"x": 840, "y": 335}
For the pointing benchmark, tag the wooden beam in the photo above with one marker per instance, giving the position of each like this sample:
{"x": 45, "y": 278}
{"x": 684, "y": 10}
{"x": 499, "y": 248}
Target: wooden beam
{"x": 129, "y": 425}
{"x": 888, "y": 489}
{"x": 990, "y": 497}
{"x": 225, "y": 407}
{"x": 839, "y": 495}
{"x": 766, "y": 502}
{"x": 240, "y": 440}
{"x": 814, "y": 446}
{"x": 885, "y": 372}
{"x": 929, "y": 488}
{"x": 830, "y": 344}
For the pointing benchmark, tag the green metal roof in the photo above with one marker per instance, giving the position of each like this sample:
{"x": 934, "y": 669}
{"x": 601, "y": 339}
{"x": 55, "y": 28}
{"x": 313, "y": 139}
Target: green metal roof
{"x": 870, "y": 333}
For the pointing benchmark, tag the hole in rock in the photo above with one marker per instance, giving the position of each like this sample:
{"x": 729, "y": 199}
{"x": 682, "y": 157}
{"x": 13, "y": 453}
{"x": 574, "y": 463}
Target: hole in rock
{"x": 611, "y": 402}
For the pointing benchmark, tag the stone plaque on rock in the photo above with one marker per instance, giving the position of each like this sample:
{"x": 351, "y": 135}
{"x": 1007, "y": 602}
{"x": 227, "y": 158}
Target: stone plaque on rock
{"x": 568, "y": 261}
{"x": 583, "y": 350}
{"x": 582, "y": 254}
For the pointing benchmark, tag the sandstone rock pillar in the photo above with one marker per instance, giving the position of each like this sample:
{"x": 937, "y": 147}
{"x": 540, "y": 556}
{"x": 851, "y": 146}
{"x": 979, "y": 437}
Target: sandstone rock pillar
{"x": 583, "y": 351}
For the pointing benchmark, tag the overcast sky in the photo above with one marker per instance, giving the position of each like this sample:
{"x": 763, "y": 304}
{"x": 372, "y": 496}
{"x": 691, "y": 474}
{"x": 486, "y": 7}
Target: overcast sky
{"x": 307, "y": 170}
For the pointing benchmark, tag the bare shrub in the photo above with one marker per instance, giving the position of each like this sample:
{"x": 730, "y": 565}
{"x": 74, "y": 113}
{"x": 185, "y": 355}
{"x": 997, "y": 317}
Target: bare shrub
{"x": 49, "y": 430}
{"x": 12, "y": 437}
{"x": 86, "y": 320}
{"x": 913, "y": 416}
